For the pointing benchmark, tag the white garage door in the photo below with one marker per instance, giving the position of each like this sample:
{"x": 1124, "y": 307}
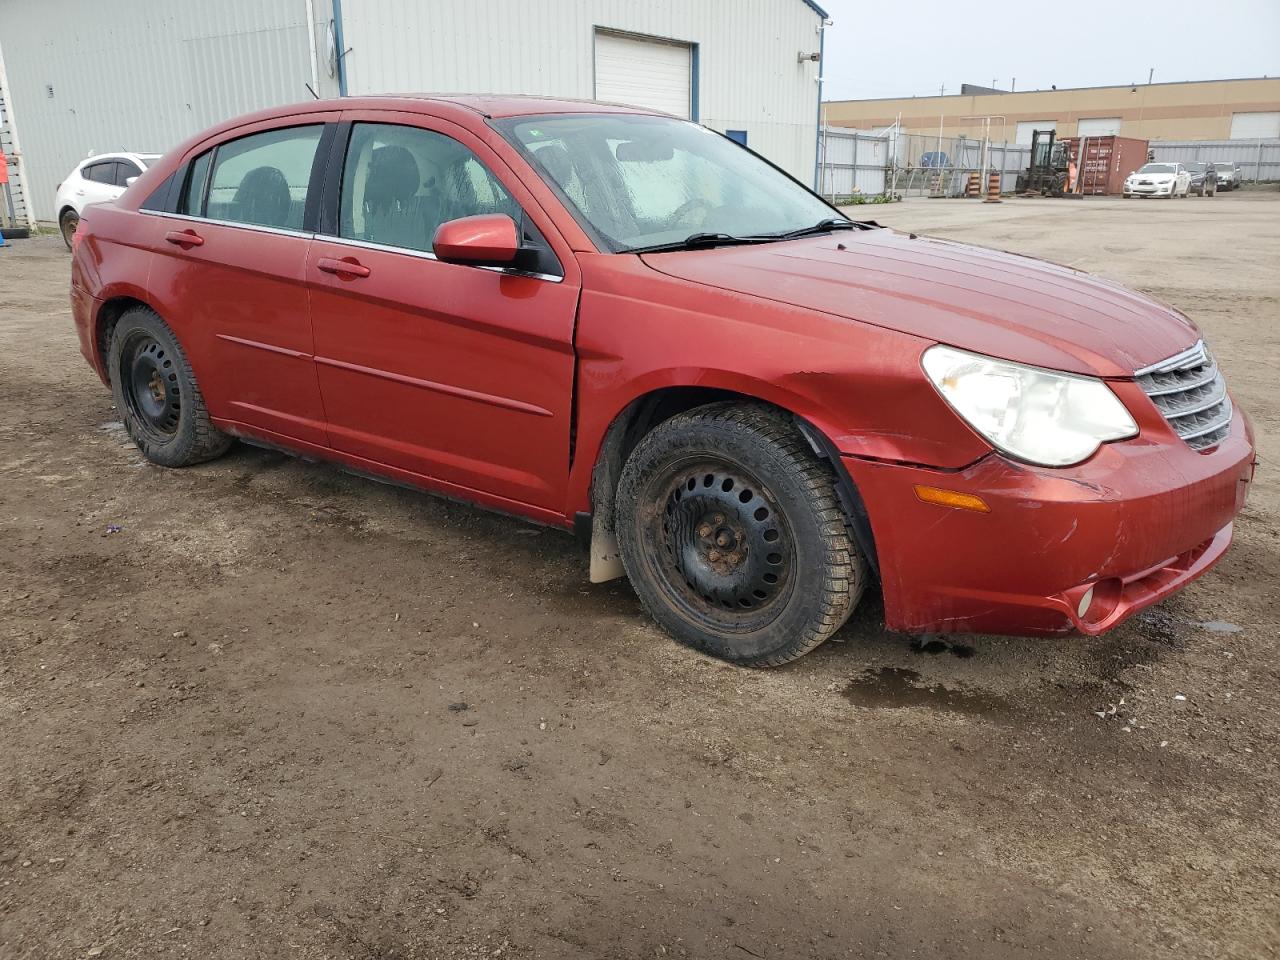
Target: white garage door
{"x": 1028, "y": 127}
{"x": 1099, "y": 127}
{"x": 1255, "y": 126}
{"x": 644, "y": 73}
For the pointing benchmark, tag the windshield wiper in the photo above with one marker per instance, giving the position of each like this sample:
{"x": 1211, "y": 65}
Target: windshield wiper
{"x": 822, "y": 226}
{"x": 700, "y": 241}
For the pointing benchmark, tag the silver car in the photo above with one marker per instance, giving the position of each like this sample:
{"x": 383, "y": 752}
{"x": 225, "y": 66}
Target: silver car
{"x": 1228, "y": 174}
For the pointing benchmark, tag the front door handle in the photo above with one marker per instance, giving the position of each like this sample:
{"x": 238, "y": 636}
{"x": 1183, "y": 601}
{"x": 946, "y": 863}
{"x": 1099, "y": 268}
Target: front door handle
{"x": 348, "y": 268}
{"x": 186, "y": 239}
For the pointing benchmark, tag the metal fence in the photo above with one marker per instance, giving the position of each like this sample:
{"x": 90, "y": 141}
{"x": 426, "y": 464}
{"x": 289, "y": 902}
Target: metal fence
{"x": 1258, "y": 159}
{"x": 851, "y": 163}
{"x": 910, "y": 164}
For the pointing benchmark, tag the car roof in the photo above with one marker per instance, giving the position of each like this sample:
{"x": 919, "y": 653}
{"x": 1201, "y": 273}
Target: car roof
{"x": 496, "y": 106}
{"x": 120, "y": 154}
{"x": 489, "y": 106}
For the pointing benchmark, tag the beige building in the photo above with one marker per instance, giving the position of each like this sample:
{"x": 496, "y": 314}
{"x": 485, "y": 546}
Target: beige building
{"x": 1197, "y": 110}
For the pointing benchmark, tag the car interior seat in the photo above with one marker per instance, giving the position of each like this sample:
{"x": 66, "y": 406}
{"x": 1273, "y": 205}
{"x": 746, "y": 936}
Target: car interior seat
{"x": 263, "y": 197}
{"x": 394, "y": 213}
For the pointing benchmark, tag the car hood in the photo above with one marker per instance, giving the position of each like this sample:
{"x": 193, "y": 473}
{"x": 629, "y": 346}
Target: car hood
{"x": 1000, "y": 304}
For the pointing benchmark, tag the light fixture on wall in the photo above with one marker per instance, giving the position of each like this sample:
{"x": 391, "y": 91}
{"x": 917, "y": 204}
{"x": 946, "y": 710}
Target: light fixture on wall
{"x": 803, "y": 57}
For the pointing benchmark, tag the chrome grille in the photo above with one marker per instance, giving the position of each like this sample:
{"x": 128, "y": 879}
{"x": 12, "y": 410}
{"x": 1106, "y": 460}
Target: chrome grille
{"x": 1189, "y": 390}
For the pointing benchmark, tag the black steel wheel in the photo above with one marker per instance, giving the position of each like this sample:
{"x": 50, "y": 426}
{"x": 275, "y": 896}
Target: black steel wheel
{"x": 157, "y": 394}
{"x": 68, "y": 224}
{"x": 149, "y": 377}
{"x": 733, "y": 537}
{"x": 728, "y": 554}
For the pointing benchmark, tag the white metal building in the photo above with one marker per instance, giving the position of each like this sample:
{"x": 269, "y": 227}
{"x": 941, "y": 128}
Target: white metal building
{"x": 143, "y": 75}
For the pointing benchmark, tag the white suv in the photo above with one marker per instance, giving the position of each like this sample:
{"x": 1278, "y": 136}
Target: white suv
{"x": 96, "y": 180}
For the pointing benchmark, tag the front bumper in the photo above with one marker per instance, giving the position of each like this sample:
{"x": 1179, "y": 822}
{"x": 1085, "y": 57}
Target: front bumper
{"x": 1136, "y": 522}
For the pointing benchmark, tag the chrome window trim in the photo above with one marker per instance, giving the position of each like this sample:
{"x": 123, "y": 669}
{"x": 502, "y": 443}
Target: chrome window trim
{"x": 257, "y": 227}
{"x": 347, "y": 242}
{"x": 428, "y": 255}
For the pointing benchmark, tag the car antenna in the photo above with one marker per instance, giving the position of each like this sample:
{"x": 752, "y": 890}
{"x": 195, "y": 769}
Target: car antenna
{"x": 314, "y": 95}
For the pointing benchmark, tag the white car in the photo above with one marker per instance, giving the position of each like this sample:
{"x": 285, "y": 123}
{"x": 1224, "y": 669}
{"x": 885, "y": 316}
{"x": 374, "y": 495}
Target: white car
{"x": 1158, "y": 180}
{"x": 96, "y": 180}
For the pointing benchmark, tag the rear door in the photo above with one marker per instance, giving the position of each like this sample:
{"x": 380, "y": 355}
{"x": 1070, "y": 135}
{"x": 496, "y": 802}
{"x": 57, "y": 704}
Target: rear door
{"x": 463, "y": 374}
{"x": 230, "y": 269}
{"x": 98, "y": 183}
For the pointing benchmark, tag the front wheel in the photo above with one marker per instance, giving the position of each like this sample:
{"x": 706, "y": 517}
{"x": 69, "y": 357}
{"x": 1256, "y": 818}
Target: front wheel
{"x": 68, "y": 224}
{"x": 733, "y": 536}
{"x": 157, "y": 394}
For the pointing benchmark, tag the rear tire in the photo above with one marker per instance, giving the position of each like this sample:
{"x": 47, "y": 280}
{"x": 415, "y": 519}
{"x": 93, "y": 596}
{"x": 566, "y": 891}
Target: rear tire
{"x": 68, "y": 223}
{"x": 733, "y": 536}
{"x": 157, "y": 394}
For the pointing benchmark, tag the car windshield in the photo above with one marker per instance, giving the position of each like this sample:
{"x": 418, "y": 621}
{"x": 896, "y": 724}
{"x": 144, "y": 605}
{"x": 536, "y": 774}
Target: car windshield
{"x": 636, "y": 182}
{"x": 1159, "y": 168}
{"x": 1196, "y": 167}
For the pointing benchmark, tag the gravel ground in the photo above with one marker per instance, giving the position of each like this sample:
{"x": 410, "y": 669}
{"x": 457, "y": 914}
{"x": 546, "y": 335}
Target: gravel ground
{"x": 286, "y": 712}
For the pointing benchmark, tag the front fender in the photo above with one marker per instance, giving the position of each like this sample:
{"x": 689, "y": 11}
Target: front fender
{"x": 860, "y": 386}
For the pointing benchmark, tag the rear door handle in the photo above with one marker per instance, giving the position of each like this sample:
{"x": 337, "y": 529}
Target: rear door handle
{"x": 347, "y": 267}
{"x": 185, "y": 238}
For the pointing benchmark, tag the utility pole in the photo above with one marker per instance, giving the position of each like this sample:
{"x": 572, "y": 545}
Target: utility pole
{"x": 1150, "y": 74}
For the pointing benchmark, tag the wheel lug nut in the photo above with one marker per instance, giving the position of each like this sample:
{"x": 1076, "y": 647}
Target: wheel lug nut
{"x": 704, "y": 531}
{"x": 719, "y": 518}
{"x": 713, "y": 556}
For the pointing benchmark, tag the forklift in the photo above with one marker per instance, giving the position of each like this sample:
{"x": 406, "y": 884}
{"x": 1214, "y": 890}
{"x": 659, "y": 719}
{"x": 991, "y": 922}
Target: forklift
{"x": 1050, "y": 163}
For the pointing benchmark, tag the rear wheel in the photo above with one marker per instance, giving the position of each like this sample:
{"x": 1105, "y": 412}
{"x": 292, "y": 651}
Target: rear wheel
{"x": 68, "y": 223}
{"x": 157, "y": 393}
{"x": 733, "y": 537}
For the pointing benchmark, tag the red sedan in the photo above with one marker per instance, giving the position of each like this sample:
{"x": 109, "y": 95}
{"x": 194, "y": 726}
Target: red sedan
{"x": 620, "y": 323}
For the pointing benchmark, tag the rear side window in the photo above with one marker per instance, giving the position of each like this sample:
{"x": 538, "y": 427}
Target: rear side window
{"x": 400, "y": 183}
{"x": 101, "y": 172}
{"x": 263, "y": 179}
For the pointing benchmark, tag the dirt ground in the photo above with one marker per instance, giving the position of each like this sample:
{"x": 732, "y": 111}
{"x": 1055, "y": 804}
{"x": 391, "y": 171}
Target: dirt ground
{"x": 260, "y": 708}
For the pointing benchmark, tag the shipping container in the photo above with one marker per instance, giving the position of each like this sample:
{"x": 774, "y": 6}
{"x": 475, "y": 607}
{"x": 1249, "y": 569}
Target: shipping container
{"x": 1106, "y": 162}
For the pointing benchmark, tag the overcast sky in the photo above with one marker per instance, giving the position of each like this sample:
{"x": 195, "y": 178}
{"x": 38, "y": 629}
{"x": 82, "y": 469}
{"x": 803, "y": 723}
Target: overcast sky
{"x": 914, "y": 47}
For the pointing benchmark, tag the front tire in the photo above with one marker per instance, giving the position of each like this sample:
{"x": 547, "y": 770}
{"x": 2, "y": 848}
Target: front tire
{"x": 157, "y": 394}
{"x": 68, "y": 224}
{"x": 733, "y": 536}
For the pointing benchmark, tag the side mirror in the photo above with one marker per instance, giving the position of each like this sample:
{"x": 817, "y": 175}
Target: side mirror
{"x": 488, "y": 240}
{"x": 128, "y": 181}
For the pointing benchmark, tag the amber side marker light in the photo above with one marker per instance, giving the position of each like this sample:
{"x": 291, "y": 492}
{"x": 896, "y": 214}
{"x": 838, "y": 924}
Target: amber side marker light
{"x": 952, "y": 498}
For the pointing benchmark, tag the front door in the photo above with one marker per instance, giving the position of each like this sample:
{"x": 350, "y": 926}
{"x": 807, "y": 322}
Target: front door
{"x": 461, "y": 374}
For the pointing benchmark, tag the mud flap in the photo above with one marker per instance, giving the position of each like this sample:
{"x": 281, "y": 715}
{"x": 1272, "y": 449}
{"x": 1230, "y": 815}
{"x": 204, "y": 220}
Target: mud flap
{"x": 606, "y": 560}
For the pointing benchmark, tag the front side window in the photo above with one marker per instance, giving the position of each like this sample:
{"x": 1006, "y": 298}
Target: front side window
{"x": 263, "y": 178}
{"x": 124, "y": 170}
{"x": 400, "y": 183}
{"x": 638, "y": 181}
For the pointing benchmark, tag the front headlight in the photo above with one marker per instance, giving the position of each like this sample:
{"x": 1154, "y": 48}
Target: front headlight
{"x": 1040, "y": 416}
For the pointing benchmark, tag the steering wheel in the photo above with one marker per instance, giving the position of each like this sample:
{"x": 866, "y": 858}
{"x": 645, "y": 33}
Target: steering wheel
{"x": 689, "y": 206}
